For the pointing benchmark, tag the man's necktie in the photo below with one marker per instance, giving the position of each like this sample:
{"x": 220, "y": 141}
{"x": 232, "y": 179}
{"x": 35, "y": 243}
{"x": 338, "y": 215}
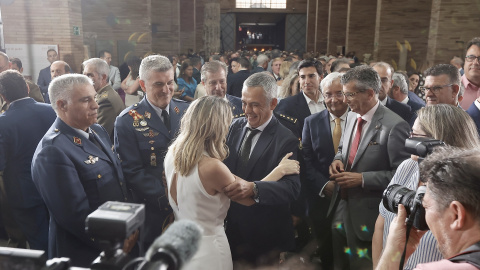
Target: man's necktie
{"x": 337, "y": 133}
{"x": 166, "y": 119}
{"x": 94, "y": 140}
{"x": 247, "y": 147}
{"x": 356, "y": 141}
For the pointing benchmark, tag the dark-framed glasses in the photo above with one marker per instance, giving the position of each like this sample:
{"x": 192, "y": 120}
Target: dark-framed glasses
{"x": 434, "y": 89}
{"x": 471, "y": 58}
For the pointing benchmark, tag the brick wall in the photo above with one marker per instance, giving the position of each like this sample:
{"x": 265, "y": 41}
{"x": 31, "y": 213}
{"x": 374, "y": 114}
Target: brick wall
{"x": 361, "y": 27}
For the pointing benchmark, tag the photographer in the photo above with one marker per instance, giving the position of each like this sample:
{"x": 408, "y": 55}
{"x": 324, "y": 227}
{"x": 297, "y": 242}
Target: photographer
{"x": 442, "y": 122}
{"x": 452, "y": 212}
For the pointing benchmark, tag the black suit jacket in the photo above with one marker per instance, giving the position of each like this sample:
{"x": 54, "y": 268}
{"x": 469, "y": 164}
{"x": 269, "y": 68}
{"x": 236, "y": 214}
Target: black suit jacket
{"x": 403, "y": 110}
{"x": 296, "y": 107}
{"x": 267, "y": 225}
{"x": 197, "y": 75}
{"x": 235, "y": 82}
{"x": 475, "y": 114}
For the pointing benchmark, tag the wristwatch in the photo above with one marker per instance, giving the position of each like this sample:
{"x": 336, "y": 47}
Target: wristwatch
{"x": 256, "y": 198}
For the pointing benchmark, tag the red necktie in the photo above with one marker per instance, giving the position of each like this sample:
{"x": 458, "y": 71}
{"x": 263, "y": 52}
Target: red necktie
{"x": 356, "y": 141}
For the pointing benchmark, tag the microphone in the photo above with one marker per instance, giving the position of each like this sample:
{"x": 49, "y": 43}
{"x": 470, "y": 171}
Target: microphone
{"x": 175, "y": 246}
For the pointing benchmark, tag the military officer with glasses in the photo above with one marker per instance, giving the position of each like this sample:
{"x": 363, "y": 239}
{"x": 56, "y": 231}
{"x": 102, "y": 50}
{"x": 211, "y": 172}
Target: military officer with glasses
{"x": 471, "y": 78}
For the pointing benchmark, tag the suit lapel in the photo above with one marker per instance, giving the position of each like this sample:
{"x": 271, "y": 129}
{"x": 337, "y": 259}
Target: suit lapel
{"x": 326, "y": 130}
{"x": 262, "y": 143}
{"x": 302, "y": 106}
{"x": 372, "y": 130}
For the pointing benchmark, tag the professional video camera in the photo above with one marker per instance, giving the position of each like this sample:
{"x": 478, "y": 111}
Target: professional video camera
{"x": 412, "y": 200}
{"x": 111, "y": 223}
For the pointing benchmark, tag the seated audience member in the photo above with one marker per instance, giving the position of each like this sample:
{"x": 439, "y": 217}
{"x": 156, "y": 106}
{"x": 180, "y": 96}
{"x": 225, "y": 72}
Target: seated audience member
{"x": 186, "y": 82}
{"x": 451, "y": 211}
{"x": 442, "y": 122}
{"x": 75, "y": 169}
{"x": 33, "y": 89}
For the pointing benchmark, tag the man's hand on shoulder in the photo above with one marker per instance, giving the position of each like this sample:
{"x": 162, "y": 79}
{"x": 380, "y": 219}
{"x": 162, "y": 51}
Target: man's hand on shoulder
{"x": 238, "y": 190}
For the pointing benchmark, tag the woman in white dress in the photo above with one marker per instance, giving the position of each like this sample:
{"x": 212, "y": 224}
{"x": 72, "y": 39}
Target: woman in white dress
{"x": 196, "y": 176}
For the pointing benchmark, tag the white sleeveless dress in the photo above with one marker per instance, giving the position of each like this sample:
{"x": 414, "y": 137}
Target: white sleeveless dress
{"x": 194, "y": 203}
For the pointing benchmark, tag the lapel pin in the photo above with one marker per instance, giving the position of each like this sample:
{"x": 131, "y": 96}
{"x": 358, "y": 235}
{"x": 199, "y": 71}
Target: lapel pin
{"x": 77, "y": 140}
{"x": 148, "y": 115}
{"x": 176, "y": 110}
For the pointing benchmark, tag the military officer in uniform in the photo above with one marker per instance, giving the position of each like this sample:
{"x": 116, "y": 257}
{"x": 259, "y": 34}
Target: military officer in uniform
{"x": 143, "y": 133}
{"x": 75, "y": 169}
{"x": 214, "y": 78}
{"x": 110, "y": 104}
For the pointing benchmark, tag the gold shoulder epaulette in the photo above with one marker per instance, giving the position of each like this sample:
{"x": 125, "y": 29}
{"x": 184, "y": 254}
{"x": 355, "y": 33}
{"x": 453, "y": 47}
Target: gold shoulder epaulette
{"x": 238, "y": 115}
{"x": 291, "y": 119}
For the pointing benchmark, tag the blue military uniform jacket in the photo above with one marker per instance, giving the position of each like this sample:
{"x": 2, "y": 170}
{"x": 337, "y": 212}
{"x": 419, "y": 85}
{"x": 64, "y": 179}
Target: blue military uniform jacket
{"x": 236, "y": 104}
{"x": 142, "y": 140}
{"x": 74, "y": 177}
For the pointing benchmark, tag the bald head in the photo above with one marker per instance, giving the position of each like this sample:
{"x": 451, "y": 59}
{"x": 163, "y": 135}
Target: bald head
{"x": 59, "y": 68}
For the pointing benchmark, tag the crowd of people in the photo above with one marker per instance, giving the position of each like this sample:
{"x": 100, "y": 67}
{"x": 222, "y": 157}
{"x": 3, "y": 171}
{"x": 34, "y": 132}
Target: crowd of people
{"x": 281, "y": 158}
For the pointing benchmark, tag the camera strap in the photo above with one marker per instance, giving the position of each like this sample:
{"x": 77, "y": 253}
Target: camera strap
{"x": 471, "y": 255}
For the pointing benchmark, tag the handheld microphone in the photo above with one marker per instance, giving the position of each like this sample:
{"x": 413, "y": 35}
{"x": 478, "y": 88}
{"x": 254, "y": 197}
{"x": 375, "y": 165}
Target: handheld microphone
{"x": 175, "y": 246}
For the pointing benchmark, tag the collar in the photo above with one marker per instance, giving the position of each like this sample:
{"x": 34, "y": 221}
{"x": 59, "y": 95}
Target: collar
{"x": 158, "y": 109}
{"x": 467, "y": 83}
{"x": 369, "y": 115}
{"x": 83, "y": 133}
{"x": 263, "y": 126}
{"x": 320, "y": 98}
{"x": 103, "y": 88}
{"x": 343, "y": 117}
{"x": 405, "y": 101}
{"x": 384, "y": 102}
{"x": 13, "y": 102}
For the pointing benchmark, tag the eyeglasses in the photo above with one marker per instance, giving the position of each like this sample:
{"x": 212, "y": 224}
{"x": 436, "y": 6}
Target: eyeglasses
{"x": 350, "y": 95}
{"x": 434, "y": 89}
{"x": 471, "y": 58}
{"x": 337, "y": 95}
{"x": 413, "y": 134}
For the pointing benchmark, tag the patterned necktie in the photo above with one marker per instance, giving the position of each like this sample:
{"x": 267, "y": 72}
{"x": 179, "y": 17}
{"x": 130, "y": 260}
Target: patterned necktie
{"x": 247, "y": 147}
{"x": 166, "y": 119}
{"x": 356, "y": 141}
{"x": 337, "y": 134}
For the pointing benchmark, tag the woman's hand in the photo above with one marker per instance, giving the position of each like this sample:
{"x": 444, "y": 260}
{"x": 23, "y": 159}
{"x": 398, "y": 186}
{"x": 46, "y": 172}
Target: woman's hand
{"x": 289, "y": 166}
{"x": 178, "y": 94}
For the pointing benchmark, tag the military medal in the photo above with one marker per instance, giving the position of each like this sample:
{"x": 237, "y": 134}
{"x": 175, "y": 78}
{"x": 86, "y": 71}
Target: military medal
{"x": 143, "y": 123}
{"x": 153, "y": 160}
{"x": 176, "y": 110}
{"x": 135, "y": 123}
{"x": 91, "y": 160}
{"x": 77, "y": 140}
{"x": 137, "y": 118}
{"x": 151, "y": 142}
{"x": 142, "y": 129}
{"x": 150, "y": 134}
{"x": 148, "y": 115}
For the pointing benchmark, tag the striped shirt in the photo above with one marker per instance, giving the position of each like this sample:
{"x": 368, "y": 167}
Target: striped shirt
{"x": 407, "y": 175}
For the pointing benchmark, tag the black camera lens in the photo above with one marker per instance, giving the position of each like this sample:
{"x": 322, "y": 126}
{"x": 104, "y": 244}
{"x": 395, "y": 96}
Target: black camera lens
{"x": 397, "y": 194}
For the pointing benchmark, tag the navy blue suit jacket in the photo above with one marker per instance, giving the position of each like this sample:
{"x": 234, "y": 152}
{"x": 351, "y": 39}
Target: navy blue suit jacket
{"x": 75, "y": 177}
{"x": 267, "y": 225}
{"x": 44, "y": 79}
{"x": 415, "y": 105}
{"x": 235, "y": 82}
{"x": 402, "y": 110}
{"x": 296, "y": 107}
{"x": 236, "y": 104}
{"x": 475, "y": 114}
{"x": 415, "y": 98}
{"x": 142, "y": 150}
{"x": 22, "y": 126}
{"x": 318, "y": 151}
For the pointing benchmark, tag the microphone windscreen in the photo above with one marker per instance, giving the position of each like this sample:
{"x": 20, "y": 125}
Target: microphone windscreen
{"x": 182, "y": 237}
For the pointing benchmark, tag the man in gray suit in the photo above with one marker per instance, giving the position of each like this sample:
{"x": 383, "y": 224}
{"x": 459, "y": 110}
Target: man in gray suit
{"x": 371, "y": 149}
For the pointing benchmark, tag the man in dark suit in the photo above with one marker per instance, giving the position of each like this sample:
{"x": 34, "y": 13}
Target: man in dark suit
{"x": 75, "y": 169}
{"x": 257, "y": 234}
{"x": 214, "y": 78}
{"x": 399, "y": 92}
{"x": 143, "y": 133}
{"x": 321, "y": 137}
{"x": 44, "y": 77}
{"x": 310, "y": 100}
{"x": 197, "y": 66}
{"x": 22, "y": 126}
{"x": 474, "y": 112}
{"x": 241, "y": 71}
{"x": 371, "y": 149}
{"x": 385, "y": 71}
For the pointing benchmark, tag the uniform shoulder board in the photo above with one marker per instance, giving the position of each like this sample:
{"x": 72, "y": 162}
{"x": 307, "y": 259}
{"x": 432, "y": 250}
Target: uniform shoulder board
{"x": 293, "y": 120}
{"x": 238, "y": 115}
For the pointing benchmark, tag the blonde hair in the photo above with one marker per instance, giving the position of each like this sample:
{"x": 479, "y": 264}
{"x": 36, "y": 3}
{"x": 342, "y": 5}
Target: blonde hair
{"x": 450, "y": 124}
{"x": 284, "y": 69}
{"x": 204, "y": 127}
{"x": 287, "y": 85}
